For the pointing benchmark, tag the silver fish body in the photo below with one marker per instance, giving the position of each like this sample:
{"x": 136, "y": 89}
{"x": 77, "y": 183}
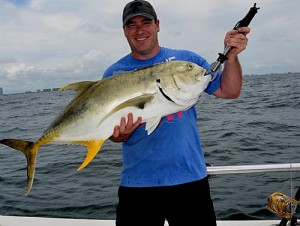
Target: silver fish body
{"x": 89, "y": 119}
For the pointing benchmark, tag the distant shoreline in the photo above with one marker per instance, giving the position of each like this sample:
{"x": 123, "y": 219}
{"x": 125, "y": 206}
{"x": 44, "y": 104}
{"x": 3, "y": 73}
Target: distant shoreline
{"x": 56, "y": 89}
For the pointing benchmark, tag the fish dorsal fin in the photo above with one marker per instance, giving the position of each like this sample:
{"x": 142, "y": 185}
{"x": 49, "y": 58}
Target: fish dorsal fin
{"x": 138, "y": 102}
{"x": 93, "y": 147}
{"x": 79, "y": 87}
{"x": 151, "y": 124}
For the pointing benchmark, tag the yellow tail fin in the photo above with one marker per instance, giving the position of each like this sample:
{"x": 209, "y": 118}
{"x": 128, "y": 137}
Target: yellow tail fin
{"x": 30, "y": 150}
{"x": 93, "y": 147}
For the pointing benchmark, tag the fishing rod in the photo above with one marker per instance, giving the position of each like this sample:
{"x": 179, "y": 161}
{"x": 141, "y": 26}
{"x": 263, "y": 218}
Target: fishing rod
{"x": 223, "y": 56}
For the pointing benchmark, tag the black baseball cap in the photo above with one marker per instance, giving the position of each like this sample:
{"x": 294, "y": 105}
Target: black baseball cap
{"x": 138, "y": 8}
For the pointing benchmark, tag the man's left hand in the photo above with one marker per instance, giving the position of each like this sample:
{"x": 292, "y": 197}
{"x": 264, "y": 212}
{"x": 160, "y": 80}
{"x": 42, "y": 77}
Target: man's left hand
{"x": 237, "y": 40}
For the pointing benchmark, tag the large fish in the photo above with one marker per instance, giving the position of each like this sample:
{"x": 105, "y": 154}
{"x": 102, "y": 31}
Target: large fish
{"x": 89, "y": 119}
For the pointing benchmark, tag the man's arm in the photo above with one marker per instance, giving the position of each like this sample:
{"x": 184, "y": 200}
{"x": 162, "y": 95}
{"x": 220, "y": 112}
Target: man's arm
{"x": 231, "y": 80}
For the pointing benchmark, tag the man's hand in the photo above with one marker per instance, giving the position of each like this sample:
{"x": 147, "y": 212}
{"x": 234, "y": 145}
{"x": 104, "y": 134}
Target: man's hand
{"x": 237, "y": 40}
{"x": 123, "y": 131}
{"x": 231, "y": 80}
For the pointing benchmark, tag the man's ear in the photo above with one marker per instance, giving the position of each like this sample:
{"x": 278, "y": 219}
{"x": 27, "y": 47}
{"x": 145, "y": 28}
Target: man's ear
{"x": 158, "y": 25}
{"x": 124, "y": 31}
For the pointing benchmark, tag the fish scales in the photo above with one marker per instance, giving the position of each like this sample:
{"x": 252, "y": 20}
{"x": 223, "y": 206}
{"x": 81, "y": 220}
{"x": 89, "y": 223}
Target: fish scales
{"x": 89, "y": 119}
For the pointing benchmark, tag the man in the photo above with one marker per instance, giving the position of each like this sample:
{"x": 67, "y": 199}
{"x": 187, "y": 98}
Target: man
{"x": 164, "y": 174}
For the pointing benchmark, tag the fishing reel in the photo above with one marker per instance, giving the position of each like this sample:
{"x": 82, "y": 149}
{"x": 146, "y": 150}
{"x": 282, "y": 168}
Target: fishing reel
{"x": 284, "y": 206}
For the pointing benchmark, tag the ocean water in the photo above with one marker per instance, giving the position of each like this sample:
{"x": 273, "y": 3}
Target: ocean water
{"x": 260, "y": 127}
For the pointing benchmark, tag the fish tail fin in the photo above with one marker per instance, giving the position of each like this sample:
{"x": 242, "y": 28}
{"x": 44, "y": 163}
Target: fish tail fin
{"x": 93, "y": 147}
{"x": 30, "y": 150}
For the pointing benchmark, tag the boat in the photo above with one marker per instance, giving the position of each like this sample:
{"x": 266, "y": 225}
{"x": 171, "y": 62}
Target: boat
{"x": 39, "y": 221}
{"x": 212, "y": 170}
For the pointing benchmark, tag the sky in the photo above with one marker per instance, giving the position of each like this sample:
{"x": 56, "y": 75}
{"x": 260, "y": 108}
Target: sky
{"x": 49, "y": 43}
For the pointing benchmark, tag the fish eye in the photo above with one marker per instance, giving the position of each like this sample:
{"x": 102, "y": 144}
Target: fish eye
{"x": 190, "y": 66}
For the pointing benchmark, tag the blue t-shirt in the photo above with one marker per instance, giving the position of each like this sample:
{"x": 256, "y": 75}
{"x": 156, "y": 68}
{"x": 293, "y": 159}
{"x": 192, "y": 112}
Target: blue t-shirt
{"x": 172, "y": 154}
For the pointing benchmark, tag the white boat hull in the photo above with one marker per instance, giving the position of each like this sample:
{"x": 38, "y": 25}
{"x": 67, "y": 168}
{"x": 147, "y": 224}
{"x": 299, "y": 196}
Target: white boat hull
{"x": 40, "y": 221}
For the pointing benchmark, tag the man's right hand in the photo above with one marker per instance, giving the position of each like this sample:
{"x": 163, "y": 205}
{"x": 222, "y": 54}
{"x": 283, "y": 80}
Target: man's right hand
{"x": 123, "y": 131}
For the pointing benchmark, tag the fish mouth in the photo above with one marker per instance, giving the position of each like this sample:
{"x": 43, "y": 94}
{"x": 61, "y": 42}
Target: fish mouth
{"x": 162, "y": 92}
{"x": 210, "y": 75}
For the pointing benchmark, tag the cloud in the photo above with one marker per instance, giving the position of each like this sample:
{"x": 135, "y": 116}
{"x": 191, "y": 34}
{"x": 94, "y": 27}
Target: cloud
{"x": 24, "y": 77}
{"x": 7, "y": 60}
{"x": 49, "y": 43}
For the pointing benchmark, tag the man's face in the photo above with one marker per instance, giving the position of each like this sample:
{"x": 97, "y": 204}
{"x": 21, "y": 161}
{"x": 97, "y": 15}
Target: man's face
{"x": 141, "y": 33}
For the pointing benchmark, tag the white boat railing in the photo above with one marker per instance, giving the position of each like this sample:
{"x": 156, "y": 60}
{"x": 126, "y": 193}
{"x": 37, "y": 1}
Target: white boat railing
{"x": 290, "y": 167}
{"x": 212, "y": 170}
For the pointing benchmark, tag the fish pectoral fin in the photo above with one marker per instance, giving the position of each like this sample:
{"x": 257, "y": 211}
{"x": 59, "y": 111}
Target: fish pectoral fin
{"x": 151, "y": 124}
{"x": 93, "y": 147}
{"x": 80, "y": 87}
{"x": 138, "y": 102}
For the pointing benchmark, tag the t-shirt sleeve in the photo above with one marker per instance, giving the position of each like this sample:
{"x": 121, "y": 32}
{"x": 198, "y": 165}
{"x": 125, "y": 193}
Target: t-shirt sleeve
{"x": 108, "y": 72}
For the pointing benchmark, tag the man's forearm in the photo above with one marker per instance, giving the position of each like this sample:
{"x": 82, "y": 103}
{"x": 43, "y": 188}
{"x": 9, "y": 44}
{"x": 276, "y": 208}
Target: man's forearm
{"x": 231, "y": 81}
